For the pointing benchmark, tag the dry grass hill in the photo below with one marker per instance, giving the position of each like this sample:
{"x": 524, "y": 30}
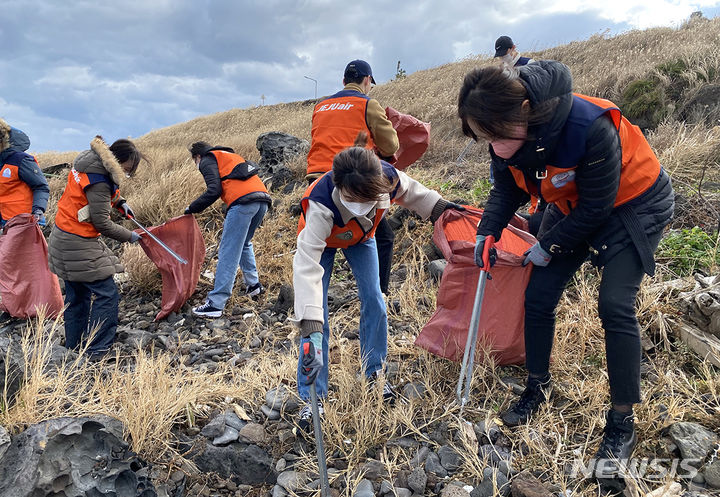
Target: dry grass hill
{"x": 659, "y": 77}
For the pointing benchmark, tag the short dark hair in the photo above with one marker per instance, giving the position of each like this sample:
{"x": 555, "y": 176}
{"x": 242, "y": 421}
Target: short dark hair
{"x": 358, "y": 173}
{"x": 357, "y": 79}
{"x": 124, "y": 150}
{"x": 199, "y": 148}
{"x": 492, "y": 97}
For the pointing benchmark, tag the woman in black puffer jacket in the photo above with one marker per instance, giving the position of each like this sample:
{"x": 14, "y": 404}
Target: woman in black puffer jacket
{"x": 608, "y": 198}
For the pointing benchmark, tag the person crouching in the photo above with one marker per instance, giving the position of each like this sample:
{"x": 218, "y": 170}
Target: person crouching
{"x": 341, "y": 210}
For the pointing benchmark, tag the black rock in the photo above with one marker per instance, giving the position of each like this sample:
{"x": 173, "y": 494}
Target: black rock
{"x": 373, "y": 470}
{"x": 694, "y": 441}
{"x": 12, "y": 365}
{"x": 276, "y": 148}
{"x": 432, "y": 465}
{"x": 494, "y": 454}
{"x": 492, "y": 480}
{"x": 436, "y": 268}
{"x": 279, "y": 177}
{"x": 441, "y": 434}
{"x": 248, "y": 464}
{"x": 487, "y": 432}
{"x": 449, "y": 458}
{"x": 417, "y": 480}
{"x": 61, "y": 457}
{"x": 215, "y": 427}
{"x": 285, "y": 300}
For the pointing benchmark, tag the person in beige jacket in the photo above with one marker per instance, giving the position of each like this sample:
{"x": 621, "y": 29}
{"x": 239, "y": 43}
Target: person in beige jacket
{"x": 341, "y": 210}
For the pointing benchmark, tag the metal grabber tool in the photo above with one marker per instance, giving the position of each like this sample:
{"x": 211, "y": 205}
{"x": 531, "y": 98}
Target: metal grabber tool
{"x": 466, "y": 371}
{"x": 324, "y": 483}
{"x": 160, "y": 242}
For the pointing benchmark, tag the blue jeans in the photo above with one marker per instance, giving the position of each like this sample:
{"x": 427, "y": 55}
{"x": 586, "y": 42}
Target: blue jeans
{"x": 236, "y": 248}
{"x": 363, "y": 260}
{"x": 83, "y": 314}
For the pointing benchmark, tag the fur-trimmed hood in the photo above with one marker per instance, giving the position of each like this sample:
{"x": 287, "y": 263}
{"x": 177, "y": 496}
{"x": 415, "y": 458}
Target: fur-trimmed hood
{"x": 99, "y": 159}
{"x": 12, "y": 138}
{"x": 4, "y": 135}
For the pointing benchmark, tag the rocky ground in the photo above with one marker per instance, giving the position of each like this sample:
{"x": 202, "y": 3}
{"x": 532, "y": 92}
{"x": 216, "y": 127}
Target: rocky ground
{"x": 251, "y": 446}
{"x": 244, "y": 449}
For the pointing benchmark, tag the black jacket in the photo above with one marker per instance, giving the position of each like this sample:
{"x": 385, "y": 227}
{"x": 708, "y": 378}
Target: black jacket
{"x": 209, "y": 168}
{"x": 594, "y": 221}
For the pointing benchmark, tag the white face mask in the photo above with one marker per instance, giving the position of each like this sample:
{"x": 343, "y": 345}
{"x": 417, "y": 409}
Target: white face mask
{"x": 510, "y": 59}
{"x": 357, "y": 208}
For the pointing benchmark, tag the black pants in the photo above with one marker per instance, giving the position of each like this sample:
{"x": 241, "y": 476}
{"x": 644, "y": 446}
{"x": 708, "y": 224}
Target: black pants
{"x": 84, "y": 314}
{"x": 621, "y": 279}
{"x": 385, "y": 239}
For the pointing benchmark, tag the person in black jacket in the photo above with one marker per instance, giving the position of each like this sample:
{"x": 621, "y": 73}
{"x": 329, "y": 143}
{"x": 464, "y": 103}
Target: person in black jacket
{"x": 569, "y": 151}
{"x": 235, "y": 180}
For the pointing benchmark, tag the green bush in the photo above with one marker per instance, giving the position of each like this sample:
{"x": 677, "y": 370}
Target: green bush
{"x": 644, "y": 100}
{"x": 673, "y": 68}
{"x": 688, "y": 250}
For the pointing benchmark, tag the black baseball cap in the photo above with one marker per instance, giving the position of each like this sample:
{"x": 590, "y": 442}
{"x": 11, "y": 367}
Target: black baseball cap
{"x": 358, "y": 68}
{"x": 502, "y": 45}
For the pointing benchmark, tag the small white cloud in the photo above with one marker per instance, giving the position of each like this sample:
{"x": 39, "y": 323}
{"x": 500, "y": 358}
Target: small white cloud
{"x": 70, "y": 77}
{"x": 640, "y": 14}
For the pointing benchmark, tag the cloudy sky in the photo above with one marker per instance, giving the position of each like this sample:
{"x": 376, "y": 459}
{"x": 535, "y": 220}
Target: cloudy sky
{"x": 71, "y": 69}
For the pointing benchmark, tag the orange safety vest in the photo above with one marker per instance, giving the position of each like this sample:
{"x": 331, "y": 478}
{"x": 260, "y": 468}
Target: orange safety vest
{"x": 336, "y": 122}
{"x": 233, "y": 185}
{"x": 73, "y": 199}
{"x": 640, "y": 166}
{"x": 342, "y": 235}
{"x": 16, "y": 197}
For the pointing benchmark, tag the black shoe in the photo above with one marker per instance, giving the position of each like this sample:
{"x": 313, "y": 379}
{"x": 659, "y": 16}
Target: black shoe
{"x": 536, "y": 393}
{"x": 207, "y": 310}
{"x": 618, "y": 443}
{"x": 255, "y": 291}
{"x": 389, "y": 395}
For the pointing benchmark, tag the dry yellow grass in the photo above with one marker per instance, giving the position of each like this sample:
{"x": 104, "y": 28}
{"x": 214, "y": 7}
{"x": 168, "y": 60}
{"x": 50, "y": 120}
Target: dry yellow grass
{"x": 568, "y": 429}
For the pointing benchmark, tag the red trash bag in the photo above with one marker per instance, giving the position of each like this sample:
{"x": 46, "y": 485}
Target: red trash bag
{"x": 26, "y": 283}
{"x": 502, "y": 318}
{"x": 413, "y": 135}
{"x": 182, "y": 234}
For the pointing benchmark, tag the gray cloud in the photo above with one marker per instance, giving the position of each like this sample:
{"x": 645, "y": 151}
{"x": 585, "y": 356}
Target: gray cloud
{"x": 76, "y": 68}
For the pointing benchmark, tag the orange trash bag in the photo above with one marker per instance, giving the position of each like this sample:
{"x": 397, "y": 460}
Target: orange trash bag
{"x": 413, "y": 135}
{"x": 182, "y": 234}
{"x": 26, "y": 283}
{"x": 502, "y": 319}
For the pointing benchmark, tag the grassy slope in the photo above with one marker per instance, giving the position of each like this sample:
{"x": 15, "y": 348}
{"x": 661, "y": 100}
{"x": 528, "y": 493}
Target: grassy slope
{"x": 673, "y": 379}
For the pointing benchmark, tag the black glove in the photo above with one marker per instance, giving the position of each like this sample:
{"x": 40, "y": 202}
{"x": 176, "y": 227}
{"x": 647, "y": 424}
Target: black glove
{"x": 454, "y": 206}
{"x": 187, "y": 211}
{"x": 485, "y": 251}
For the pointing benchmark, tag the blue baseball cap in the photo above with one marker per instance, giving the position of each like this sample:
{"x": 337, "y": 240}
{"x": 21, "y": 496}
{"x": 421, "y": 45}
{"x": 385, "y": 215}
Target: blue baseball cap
{"x": 358, "y": 68}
